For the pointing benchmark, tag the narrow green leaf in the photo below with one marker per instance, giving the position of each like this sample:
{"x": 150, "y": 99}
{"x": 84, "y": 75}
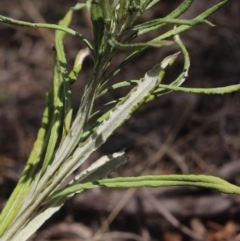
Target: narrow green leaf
{"x": 138, "y": 46}
{"x": 151, "y": 3}
{"x": 79, "y": 6}
{"x": 61, "y": 95}
{"x": 216, "y": 90}
{"x": 101, "y": 168}
{"x": 162, "y": 21}
{"x": 182, "y": 76}
{"x": 152, "y": 25}
{"x": 127, "y": 60}
{"x": 45, "y": 25}
{"x": 64, "y": 74}
{"x": 183, "y": 28}
{"x": 18, "y": 196}
{"x": 202, "y": 181}
{"x": 122, "y": 10}
{"x": 118, "y": 85}
{"x": 107, "y": 13}
{"x": 77, "y": 67}
{"x": 98, "y": 28}
{"x": 104, "y": 106}
{"x": 93, "y": 128}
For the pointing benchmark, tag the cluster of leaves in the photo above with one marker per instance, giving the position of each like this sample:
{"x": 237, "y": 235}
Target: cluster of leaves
{"x": 63, "y": 144}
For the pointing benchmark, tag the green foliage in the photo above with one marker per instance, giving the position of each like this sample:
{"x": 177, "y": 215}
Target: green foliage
{"x": 64, "y": 143}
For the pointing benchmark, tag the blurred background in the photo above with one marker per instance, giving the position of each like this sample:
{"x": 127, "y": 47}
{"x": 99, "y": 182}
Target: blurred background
{"x": 176, "y": 133}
